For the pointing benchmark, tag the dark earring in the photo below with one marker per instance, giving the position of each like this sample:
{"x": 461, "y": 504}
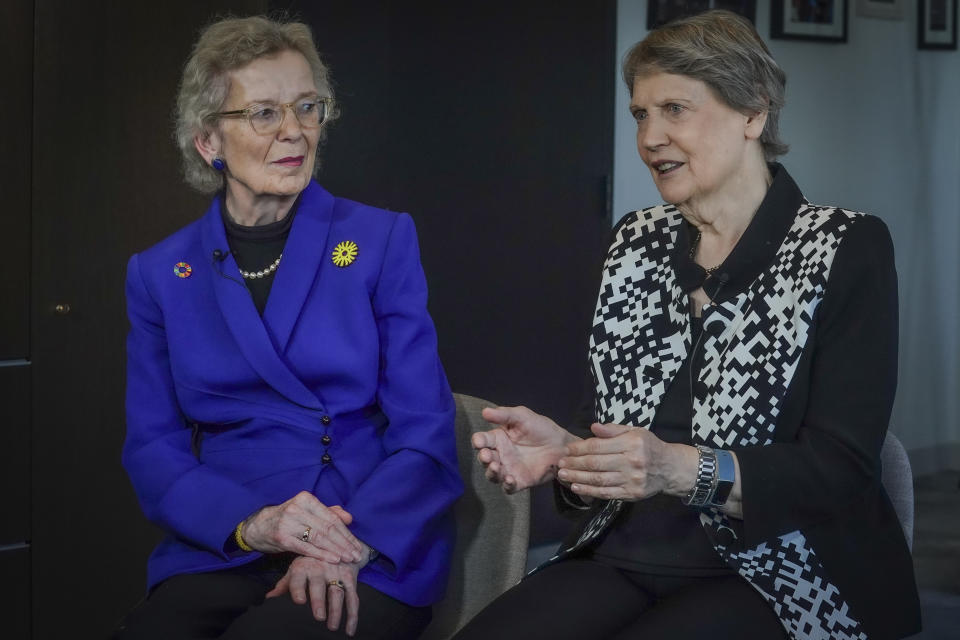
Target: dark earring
{"x": 219, "y": 164}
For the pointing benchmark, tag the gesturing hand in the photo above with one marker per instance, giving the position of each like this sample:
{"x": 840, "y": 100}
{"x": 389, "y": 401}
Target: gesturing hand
{"x": 331, "y": 588}
{"x": 305, "y": 526}
{"x": 523, "y": 451}
{"x": 627, "y": 463}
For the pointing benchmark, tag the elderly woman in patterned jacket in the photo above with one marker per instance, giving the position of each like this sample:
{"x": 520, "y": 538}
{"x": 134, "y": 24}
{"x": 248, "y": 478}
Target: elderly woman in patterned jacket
{"x": 289, "y": 426}
{"x": 743, "y": 361}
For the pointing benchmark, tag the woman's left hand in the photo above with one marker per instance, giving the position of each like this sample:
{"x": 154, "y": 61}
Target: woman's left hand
{"x": 331, "y": 589}
{"x": 627, "y": 463}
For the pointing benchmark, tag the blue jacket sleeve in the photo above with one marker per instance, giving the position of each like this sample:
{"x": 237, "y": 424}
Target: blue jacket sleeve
{"x": 402, "y": 508}
{"x": 176, "y": 491}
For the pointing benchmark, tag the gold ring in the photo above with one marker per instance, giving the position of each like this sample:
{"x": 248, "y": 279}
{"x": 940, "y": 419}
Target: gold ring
{"x": 337, "y": 583}
{"x": 305, "y": 536}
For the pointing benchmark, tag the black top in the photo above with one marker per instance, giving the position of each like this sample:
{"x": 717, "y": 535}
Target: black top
{"x": 661, "y": 535}
{"x": 255, "y": 248}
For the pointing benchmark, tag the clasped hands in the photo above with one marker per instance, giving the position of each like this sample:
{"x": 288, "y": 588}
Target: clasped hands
{"x": 620, "y": 462}
{"x": 330, "y": 556}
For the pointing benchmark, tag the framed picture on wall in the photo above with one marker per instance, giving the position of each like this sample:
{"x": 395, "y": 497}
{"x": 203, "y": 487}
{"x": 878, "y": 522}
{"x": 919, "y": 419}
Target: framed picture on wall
{"x": 937, "y": 24}
{"x": 660, "y": 12}
{"x": 888, "y": 9}
{"x": 823, "y": 20}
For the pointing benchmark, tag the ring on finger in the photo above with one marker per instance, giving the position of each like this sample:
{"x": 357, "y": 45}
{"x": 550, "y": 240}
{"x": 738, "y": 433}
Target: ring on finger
{"x": 338, "y": 584}
{"x": 305, "y": 536}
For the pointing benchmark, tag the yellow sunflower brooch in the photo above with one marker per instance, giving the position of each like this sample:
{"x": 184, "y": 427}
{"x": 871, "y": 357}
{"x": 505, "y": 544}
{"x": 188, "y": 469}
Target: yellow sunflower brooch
{"x": 345, "y": 253}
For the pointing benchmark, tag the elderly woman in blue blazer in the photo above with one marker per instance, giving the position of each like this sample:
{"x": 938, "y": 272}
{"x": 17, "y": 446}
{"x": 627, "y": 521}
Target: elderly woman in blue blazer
{"x": 289, "y": 424}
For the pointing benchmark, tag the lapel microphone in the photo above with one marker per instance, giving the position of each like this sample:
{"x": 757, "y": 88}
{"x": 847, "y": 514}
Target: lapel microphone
{"x": 721, "y": 281}
{"x": 217, "y": 261}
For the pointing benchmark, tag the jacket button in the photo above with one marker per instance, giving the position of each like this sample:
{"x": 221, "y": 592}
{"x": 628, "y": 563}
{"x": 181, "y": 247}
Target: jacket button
{"x": 326, "y": 439}
{"x": 326, "y": 459}
{"x": 325, "y": 419}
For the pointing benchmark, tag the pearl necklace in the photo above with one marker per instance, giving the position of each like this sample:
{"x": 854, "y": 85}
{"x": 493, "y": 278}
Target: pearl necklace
{"x": 693, "y": 250}
{"x": 253, "y": 275}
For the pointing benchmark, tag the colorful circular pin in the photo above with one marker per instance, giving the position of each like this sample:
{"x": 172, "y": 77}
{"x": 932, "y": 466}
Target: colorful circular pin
{"x": 345, "y": 253}
{"x": 182, "y": 270}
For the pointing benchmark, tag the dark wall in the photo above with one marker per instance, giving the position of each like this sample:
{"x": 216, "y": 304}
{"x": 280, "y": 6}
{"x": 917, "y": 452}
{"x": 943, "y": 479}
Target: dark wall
{"x": 492, "y": 125}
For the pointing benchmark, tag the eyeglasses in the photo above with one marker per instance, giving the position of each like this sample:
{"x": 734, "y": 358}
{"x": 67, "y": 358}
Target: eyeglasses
{"x": 267, "y": 117}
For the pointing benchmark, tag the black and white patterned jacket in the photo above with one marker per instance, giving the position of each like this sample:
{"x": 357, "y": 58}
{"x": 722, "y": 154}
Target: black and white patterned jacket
{"x": 798, "y": 377}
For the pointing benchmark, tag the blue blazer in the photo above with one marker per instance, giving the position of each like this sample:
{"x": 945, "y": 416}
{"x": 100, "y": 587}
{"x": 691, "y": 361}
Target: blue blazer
{"x": 345, "y": 352}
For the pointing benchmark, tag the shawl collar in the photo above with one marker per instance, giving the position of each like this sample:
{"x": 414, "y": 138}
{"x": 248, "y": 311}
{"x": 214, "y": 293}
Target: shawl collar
{"x": 261, "y": 341}
{"x": 754, "y": 252}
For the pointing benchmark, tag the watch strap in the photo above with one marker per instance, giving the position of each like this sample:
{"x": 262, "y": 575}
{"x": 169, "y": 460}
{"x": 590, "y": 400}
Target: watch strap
{"x": 705, "y": 483}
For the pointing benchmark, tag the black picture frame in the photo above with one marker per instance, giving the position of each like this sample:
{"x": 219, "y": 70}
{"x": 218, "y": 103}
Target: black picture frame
{"x": 818, "y": 20}
{"x": 937, "y": 25}
{"x": 660, "y": 12}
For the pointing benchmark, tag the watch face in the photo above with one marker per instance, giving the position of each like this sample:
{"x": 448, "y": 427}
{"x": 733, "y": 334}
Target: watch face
{"x": 726, "y": 476}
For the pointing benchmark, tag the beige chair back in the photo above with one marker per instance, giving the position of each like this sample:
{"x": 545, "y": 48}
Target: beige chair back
{"x": 493, "y": 531}
{"x": 897, "y": 478}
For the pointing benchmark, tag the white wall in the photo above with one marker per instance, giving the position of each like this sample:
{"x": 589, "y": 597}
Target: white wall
{"x": 874, "y": 125}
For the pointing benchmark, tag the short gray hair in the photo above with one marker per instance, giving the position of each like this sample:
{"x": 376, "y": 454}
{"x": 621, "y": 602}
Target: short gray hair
{"x": 224, "y": 46}
{"x": 724, "y": 51}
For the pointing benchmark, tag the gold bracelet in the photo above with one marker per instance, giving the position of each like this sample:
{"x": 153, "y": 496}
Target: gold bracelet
{"x": 238, "y": 538}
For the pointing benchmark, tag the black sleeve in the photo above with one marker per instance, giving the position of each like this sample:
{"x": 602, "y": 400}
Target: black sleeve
{"x": 586, "y": 413}
{"x": 848, "y": 394}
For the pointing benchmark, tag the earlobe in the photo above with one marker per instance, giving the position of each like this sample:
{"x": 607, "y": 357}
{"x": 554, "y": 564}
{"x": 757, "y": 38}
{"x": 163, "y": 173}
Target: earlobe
{"x": 207, "y": 144}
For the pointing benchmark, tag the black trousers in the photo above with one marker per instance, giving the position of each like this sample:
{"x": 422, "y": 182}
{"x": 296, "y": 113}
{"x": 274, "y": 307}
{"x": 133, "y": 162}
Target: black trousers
{"x": 230, "y": 605}
{"x": 583, "y": 598}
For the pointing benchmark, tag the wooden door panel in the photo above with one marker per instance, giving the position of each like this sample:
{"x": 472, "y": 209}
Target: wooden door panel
{"x": 16, "y": 50}
{"x": 15, "y": 453}
{"x": 15, "y": 592}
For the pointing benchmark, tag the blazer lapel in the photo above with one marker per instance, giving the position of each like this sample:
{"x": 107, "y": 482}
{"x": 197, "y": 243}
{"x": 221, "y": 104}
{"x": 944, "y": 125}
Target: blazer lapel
{"x": 241, "y": 317}
{"x": 302, "y": 257}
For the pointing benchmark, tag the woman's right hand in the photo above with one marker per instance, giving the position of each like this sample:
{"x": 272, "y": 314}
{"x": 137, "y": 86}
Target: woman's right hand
{"x": 523, "y": 450}
{"x": 305, "y": 526}
{"x": 315, "y": 580}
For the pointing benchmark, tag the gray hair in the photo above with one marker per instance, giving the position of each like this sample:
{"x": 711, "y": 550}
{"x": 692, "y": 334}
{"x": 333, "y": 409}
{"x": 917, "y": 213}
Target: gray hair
{"x": 225, "y": 46}
{"x": 724, "y": 51}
